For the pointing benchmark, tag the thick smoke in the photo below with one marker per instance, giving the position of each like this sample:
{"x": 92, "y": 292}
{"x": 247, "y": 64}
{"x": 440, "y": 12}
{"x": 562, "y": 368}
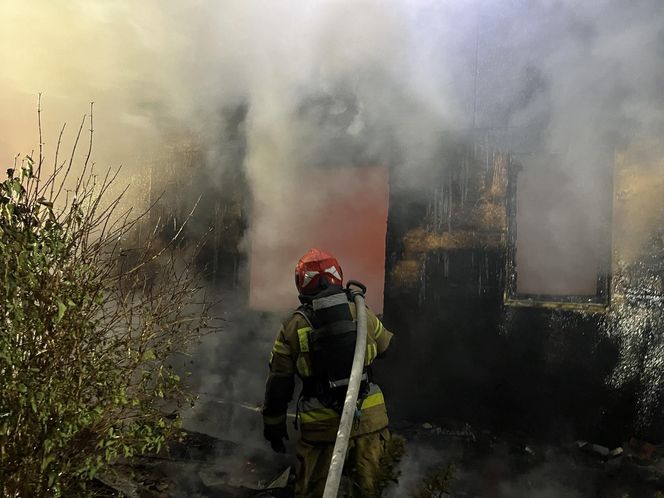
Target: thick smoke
{"x": 341, "y": 82}
{"x": 581, "y": 80}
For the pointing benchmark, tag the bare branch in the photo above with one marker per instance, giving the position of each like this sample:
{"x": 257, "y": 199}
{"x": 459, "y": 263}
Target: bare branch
{"x": 41, "y": 143}
{"x": 71, "y": 160}
{"x": 173, "y": 239}
{"x": 87, "y": 157}
{"x": 51, "y": 179}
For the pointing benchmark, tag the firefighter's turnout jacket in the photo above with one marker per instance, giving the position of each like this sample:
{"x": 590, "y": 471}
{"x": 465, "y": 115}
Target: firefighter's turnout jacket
{"x": 290, "y": 355}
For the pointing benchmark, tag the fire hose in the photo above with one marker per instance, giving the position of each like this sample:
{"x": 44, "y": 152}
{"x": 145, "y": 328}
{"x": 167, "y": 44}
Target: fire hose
{"x": 350, "y": 403}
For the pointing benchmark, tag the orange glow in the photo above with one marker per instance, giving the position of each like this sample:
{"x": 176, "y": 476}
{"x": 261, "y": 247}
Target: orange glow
{"x": 342, "y": 211}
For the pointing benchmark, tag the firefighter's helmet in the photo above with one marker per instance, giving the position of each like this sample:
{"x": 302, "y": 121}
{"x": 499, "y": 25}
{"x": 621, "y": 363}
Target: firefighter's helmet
{"x": 317, "y": 269}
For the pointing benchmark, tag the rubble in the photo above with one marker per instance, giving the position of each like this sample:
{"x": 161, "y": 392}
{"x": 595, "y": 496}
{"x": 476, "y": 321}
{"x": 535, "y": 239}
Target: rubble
{"x": 513, "y": 465}
{"x": 205, "y": 467}
{"x": 465, "y": 433}
{"x": 633, "y": 453}
{"x": 597, "y": 449}
{"x": 202, "y": 466}
{"x": 282, "y": 480}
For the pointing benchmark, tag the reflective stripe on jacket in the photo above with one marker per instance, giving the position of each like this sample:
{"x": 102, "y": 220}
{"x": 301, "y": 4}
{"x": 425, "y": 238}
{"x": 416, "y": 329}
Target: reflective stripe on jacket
{"x": 319, "y": 423}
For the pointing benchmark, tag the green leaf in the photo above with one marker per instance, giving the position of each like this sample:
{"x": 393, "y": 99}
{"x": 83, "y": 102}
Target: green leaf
{"x": 61, "y": 310}
{"x": 16, "y": 187}
{"x": 27, "y": 167}
{"x": 48, "y": 459}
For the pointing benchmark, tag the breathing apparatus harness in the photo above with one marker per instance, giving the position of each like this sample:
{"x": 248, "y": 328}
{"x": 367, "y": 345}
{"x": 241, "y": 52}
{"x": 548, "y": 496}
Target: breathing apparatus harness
{"x": 332, "y": 345}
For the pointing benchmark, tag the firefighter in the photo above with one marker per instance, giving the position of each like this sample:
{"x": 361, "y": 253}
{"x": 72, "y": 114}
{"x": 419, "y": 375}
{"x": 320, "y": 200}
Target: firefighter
{"x": 317, "y": 343}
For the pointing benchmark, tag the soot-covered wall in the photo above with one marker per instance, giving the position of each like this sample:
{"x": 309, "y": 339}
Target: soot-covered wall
{"x": 462, "y": 354}
{"x": 535, "y": 79}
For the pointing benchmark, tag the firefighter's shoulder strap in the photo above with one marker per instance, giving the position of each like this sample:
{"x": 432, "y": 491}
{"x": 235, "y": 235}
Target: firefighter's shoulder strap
{"x": 307, "y": 311}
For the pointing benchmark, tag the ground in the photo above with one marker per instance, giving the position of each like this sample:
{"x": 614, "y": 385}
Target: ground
{"x": 484, "y": 465}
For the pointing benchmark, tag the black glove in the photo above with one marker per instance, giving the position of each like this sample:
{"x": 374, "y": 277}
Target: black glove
{"x": 275, "y": 434}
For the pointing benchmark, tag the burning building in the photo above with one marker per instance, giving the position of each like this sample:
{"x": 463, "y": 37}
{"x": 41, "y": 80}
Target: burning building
{"x": 518, "y": 246}
{"x": 503, "y": 344}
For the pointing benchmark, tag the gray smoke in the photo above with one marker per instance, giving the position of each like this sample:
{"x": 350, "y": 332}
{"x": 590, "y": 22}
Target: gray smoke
{"x": 342, "y": 82}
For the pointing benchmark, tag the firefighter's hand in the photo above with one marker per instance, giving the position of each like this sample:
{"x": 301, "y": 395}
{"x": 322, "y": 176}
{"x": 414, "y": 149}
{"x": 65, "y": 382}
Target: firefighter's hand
{"x": 278, "y": 445}
{"x": 276, "y": 434}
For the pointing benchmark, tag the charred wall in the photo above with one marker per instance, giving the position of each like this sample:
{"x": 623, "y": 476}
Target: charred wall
{"x": 205, "y": 187}
{"x": 463, "y": 354}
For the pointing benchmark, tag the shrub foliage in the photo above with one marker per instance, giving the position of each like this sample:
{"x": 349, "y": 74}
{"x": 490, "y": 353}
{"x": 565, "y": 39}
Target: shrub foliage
{"x": 436, "y": 483}
{"x": 89, "y": 317}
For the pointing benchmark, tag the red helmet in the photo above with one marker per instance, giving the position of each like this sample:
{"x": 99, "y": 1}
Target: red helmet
{"x": 314, "y": 267}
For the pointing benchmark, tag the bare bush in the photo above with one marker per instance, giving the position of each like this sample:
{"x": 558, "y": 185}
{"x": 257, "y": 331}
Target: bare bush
{"x": 89, "y": 317}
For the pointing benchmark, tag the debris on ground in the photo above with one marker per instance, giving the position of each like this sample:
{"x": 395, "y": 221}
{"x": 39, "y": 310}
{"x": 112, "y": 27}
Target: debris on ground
{"x": 465, "y": 432}
{"x": 508, "y": 465}
{"x": 596, "y": 449}
{"x": 201, "y": 466}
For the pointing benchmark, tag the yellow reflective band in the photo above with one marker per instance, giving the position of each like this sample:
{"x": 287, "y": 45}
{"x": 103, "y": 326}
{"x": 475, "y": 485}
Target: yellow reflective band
{"x": 303, "y": 337}
{"x": 303, "y": 366}
{"x": 281, "y": 348}
{"x": 379, "y": 329}
{"x": 373, "y": 400}
{"x": 372, "y": 352}
{"x": 278, "y": 419}
{"x": 323, "y": 414}
{"x": 318, "y": 415}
